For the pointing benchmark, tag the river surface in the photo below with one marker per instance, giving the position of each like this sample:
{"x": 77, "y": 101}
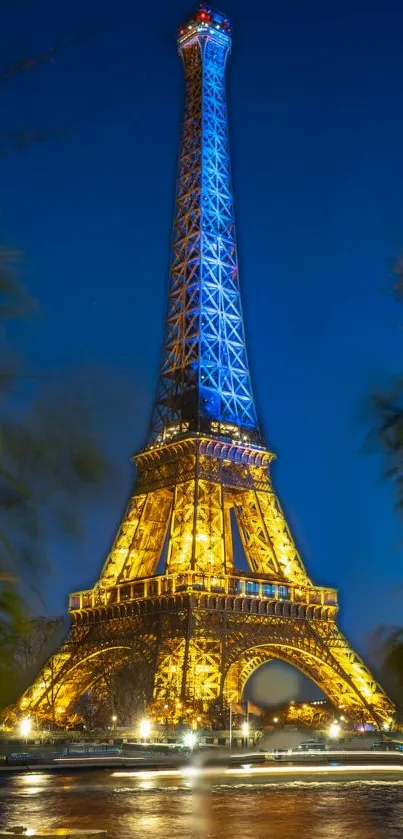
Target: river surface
{"x": 166, "y": 808}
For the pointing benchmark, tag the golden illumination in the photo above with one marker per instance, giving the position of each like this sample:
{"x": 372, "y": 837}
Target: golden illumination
{"x": 234, "y": 621}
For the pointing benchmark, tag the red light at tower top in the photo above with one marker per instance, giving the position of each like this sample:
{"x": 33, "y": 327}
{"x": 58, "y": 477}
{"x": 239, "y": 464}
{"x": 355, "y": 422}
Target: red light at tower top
{"x": 203, "y": 16}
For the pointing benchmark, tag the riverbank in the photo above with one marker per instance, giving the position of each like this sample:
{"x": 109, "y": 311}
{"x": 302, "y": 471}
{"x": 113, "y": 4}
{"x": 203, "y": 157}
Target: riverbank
{"x": 211, "y": 764}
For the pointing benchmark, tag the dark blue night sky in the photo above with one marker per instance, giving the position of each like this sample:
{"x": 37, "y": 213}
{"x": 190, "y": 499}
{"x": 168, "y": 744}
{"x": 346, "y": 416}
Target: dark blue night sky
{"x": 316, "y": 116}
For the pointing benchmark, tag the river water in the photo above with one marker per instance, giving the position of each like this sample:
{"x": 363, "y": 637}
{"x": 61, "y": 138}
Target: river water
{"x": 170, "y": 809}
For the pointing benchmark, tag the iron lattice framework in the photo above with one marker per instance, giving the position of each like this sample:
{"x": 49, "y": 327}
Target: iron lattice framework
{"x": 205, "y": 374}
{"x": 170, "y": 594}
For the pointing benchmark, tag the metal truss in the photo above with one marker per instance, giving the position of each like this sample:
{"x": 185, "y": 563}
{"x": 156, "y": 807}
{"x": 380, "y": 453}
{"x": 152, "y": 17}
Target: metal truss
{"x": 203, "y": 480}
{"x": 203, "y": 649}
{"x": 139, "y": 541}
{"x": 169, "y": 593}
{"x": 204, "y": 625}
{"x": 266, "y": 538}
{"x": 82, "y": 660}
{"x": 205, "y": 373}
{"x": 188, "y": 669}
{"x": 197, "y": 529}
{"x": 319, "y": 650}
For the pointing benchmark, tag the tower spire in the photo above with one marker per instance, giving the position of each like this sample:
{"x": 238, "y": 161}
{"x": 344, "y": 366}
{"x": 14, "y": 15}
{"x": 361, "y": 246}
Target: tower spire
{"x": 204, "y": 381}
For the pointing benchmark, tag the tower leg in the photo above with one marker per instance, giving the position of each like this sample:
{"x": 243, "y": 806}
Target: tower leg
{"x": 138, "y": 545}
{"x": 267, "y": 542}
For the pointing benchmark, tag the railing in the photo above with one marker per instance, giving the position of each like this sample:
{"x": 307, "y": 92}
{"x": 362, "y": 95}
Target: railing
{"x": 228, "y": 585}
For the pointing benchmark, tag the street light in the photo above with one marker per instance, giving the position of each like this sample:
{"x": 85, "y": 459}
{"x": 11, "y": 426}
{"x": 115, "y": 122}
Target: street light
{"x": 145, "y": 729}
{"x": 334, "y": 730}
{"x": 25, "y": 727}
{"x": 114, "y": 721}
{"x": 275, "y": 719}
{"x": 245, "y": 733}
{"x": 190, "y": 740}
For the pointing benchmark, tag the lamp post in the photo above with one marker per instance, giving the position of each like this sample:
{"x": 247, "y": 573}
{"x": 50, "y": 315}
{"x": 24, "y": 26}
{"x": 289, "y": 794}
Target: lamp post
{"x": 114, "y": 721}
{"x": 25, "y": 728}
{"x": 166, "y": 721}
{"x": 190, "y": 740}
{"x": 230, "y": 726}
{"x": 245, "y": 732}
{"x": 334, "y": 730}
{"x": 145, "y": 729}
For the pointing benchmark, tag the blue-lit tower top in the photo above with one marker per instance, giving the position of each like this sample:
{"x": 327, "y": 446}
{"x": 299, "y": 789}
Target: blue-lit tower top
{"x": 204, "y": 383}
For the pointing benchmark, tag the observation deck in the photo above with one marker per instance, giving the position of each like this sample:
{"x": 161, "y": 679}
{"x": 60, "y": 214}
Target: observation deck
{"x": 205, "y": 21}
{"x": 232, "y": 592}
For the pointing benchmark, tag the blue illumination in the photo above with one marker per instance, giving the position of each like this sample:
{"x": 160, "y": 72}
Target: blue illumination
{"x": 205, "y": 376}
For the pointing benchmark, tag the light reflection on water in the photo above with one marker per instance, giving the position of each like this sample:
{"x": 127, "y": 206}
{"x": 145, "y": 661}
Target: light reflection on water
{"x": 162, "y": 808}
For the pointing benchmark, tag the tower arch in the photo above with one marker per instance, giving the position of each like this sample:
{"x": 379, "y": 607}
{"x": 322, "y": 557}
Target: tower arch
{"x": 336, "y": 686}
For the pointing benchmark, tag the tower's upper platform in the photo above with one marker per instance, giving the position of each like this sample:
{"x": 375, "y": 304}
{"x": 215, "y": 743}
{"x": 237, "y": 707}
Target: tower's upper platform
{"x": 205, "y": 21}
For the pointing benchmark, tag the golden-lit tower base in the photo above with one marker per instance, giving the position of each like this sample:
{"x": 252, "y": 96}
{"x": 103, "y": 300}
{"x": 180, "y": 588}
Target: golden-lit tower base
{"x": 202, "y": 626}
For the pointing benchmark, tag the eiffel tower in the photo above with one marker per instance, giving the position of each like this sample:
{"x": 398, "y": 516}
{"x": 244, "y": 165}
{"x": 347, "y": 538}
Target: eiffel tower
{"x": 170, "y": 594}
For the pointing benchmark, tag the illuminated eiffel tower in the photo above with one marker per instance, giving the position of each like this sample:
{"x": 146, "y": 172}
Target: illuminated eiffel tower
{"x": 170, "y": 593}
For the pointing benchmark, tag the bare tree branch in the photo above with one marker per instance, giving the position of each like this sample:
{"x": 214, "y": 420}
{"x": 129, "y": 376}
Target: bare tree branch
{"x": 22, "y": 65}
